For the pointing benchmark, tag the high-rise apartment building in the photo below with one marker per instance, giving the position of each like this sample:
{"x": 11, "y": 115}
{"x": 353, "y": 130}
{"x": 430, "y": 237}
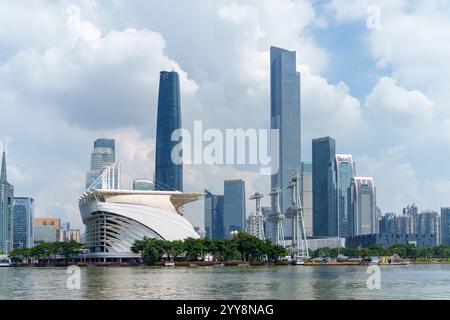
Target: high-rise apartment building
{"x": 324, "y": 202}
{"x": 103, "y": 161}
{"x": 23, "y": 222}
{"x": 234, "y": 212}
{"x": 168, "y": 173}
{"x": 285, "y": 117}
{"x": 428, "y": 223}
{"x": 445, "y": 226}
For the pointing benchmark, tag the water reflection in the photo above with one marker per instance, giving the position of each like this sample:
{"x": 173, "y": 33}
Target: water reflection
{"x": 226, "y": 283}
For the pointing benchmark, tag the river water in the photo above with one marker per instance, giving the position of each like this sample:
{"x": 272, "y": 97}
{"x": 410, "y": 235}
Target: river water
{"x": 228, "y": 283}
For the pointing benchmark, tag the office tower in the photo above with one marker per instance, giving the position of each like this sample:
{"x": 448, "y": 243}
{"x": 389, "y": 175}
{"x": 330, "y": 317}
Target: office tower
{"x": 344, "y": 170}
{"x": 23, "y": 222}
{"x": 234, "y": 206}
{"x": 428, "y": 223}
{"x": 324, "y": 213}
{"x": 143, "y": 185}
{"x": 169, "y": 174}
{"x": 6, "y": 210}
{"x": 214, "y": 228}
{"x": 445, "y": 226}
{"x": 103, "y": 162}
{"x": 44, "y": 229}
{"x": 306, "y": 196}
{"x": 362, "y": 206}
{"x": 285, "y": 117}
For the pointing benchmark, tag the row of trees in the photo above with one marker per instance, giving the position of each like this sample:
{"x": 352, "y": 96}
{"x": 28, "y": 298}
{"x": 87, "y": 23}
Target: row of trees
{"x": 48, "y": 251}
{"x": 405, "y": 251}
{"x": 241, "y": 247}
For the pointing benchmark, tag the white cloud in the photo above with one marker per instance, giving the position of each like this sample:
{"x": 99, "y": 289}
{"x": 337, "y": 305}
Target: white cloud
{"x": 398, "y": 107}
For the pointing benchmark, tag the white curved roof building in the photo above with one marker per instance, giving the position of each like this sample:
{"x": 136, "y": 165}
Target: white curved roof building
{"x": 115, "y": 219}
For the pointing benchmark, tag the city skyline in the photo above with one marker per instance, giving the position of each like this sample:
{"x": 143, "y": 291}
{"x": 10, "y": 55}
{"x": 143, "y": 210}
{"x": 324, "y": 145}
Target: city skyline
{"x": 217, "y": 80}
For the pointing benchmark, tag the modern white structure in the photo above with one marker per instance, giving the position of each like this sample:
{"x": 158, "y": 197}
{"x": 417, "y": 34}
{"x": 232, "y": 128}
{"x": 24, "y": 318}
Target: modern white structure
{"x": 299, "y": 248}
{"x": 276, "y": 218}
{"x": 306, "y": 193}
{"x": 115, "y": 219}
{"x": 255, "y": 221}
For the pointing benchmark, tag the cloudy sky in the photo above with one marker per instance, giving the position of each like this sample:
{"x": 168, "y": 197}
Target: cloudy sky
{"x": 74, "y": 71}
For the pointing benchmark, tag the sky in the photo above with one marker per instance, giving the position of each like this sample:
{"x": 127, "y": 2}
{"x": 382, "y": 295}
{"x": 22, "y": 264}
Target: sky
{"x": 75, "y": 71}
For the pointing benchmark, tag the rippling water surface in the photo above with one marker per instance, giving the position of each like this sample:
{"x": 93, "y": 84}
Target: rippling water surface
{"x": 224, "y": 283}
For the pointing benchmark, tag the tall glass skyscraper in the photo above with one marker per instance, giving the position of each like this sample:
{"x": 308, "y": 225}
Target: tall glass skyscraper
{"x": 6, "y": 210}
{"x": 345, "y": 171}
{"x": 169, "y": 176}
{"x": 234, "y": 206}
{"x": 104, "y": 155}
{"x": 445, "y": 226}
{"x": 362, "y": 206}
{"x": 285, "y": 117}
{"x": 324, "y": 213}
{"x": 214, "y": 208}
{"x": 23, "y": 222}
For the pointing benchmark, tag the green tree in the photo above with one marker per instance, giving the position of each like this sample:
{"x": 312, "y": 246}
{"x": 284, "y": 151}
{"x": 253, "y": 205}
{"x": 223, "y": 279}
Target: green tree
{"x": 193, "y": 248}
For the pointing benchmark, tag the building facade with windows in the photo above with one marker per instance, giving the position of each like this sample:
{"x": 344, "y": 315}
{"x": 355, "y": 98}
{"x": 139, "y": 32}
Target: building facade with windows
{"x": 324, "y": 202}
{"x": 234, "y": 212}
{"x": 285, "y": 117}
{"x": 168, "y": 173}
{"x": 23, "y": 222}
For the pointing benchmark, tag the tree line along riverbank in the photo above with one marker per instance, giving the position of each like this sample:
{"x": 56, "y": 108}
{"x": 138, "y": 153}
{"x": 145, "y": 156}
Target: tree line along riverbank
{"x": 242, "y": 249}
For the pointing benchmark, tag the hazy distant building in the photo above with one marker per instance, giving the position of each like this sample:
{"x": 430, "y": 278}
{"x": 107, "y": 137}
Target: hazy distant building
{"x": 234, "y": 213}
{"x": 428, "y": 222}
{"x": 285, "y": 117}
{"x": 104, "y": 156}
{"x": 378, "y": 220}
{"x": 45, "y": 234}
{"x": 324, "y": 213}
{"x": 6, "y": 210}
{"x": 388, "y": 224}
{"x": 389, "y": 240}
{"x": 306, "y": 196}
{"x": 44, "y": 228}
{"x": 344, "y": 171}
{"x": 168, "y": 175}
{"x": 362, "y": 206}
{"x": 445, "y": 226}
{"x": 214, "y": 209}
{"x": 143, "y": 185}
{"x": 412, "y": 212}
{"x": 23, "y": 222}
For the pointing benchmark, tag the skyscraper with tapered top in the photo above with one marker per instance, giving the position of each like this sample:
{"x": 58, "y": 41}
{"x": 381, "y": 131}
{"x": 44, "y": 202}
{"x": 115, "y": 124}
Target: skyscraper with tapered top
{"x": 285, "y": 117}
{"x": 168, "y": 174}
{"x": 6, "y": 209}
